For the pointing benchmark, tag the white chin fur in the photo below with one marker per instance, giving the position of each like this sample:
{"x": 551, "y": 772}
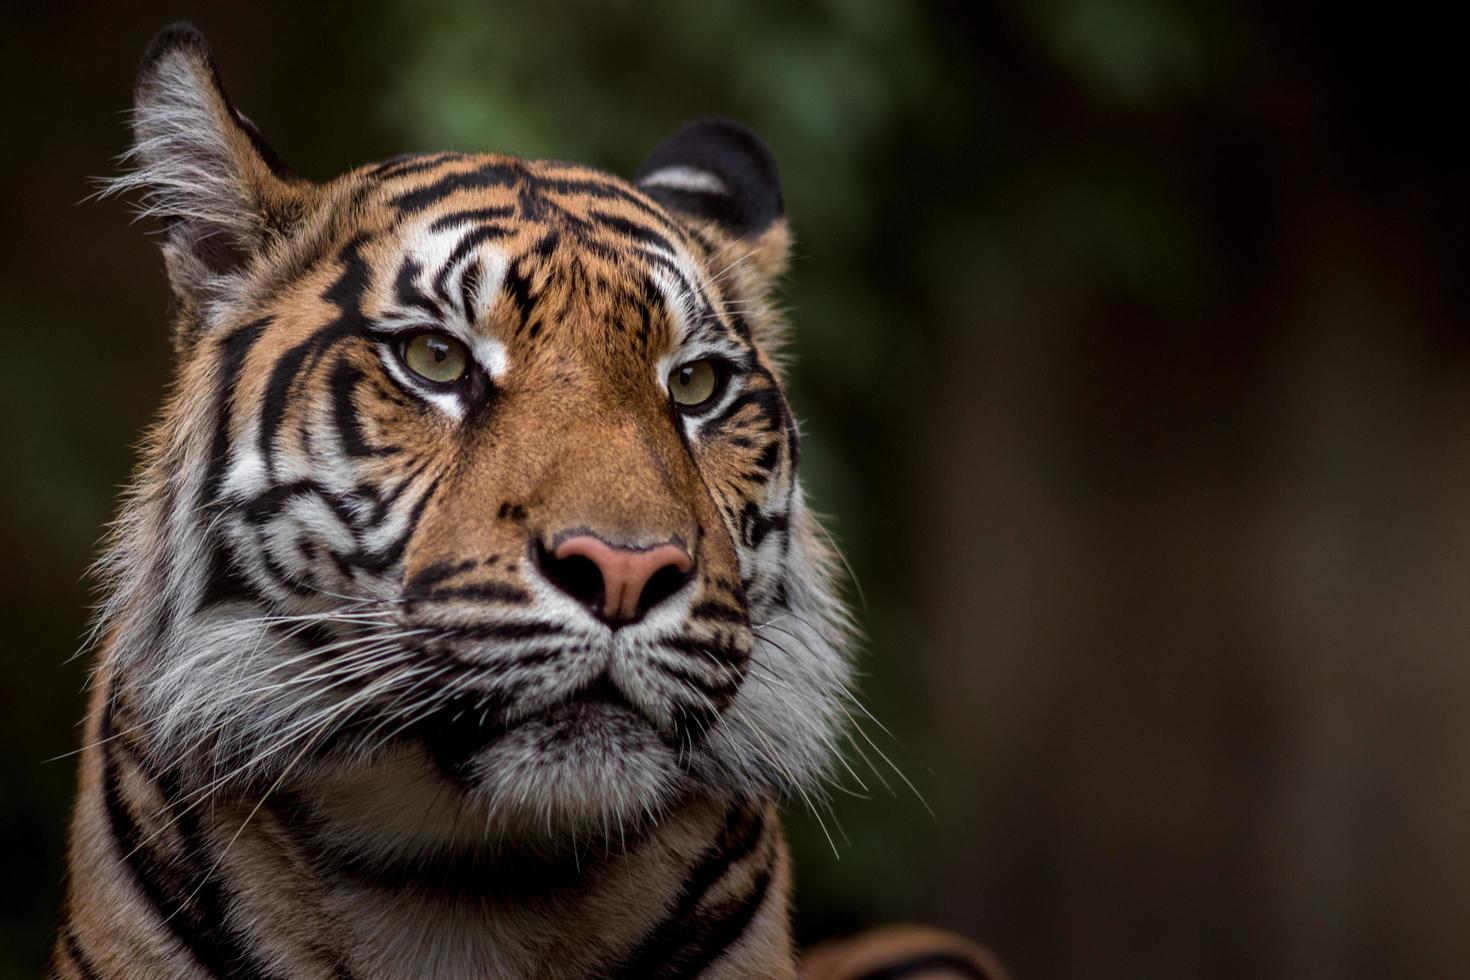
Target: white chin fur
{"x": 547, "y": 784}
{"x": 573, "y": 774}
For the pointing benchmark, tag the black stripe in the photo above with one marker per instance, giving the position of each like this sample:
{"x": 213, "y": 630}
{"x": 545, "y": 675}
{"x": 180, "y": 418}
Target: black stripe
{"x": 756, "y": 526}
{"x": 284, "y": 580}
{"x": 432, "y": 575}
{"x": 345, "y": 293}
{"x": 505, "y": 631}
{"x": 489, "y": 591}
{"x": 267, "y": 505}
{"x": 741, "y": 325}
{"x": 469, "y": 285}
{"x": 534, "y": 187}
{"x": 77, "y": 955}
{"x": 407, "y": 293}
{"x": 634, "y": 230}
{"x": 716, "y": 931}
{"x": 383, "y": 501}
{"x": 770, "y": 409}
{"x": 725, "y": 653}
{"x": 666, "y": 944}
{"x": 489, "y": 175}
{"x": 234, "y": 349}
{"x": 702, "y": 310}
{"x": 699, "y": 238}
{"x": 718, "y": 612}
{"x": 412, "y": 163}
{"x": 517, "y": 285}
{"x": 224, "y": 580}
{"x": 469, "y": 215}
{"x": 376, "y": 563}
{"x": 718, "y": 691}
{"x": 546, "y": 244}
{"x": 194, "y": 909}
{"x": 766, "y": 461}
{"x": 343, "y": 383}
{"x": 952, "y": 963}
{"x": 537, "y": 656}
{"x": 467, "y": 244}
{"x": 606, "y": 190}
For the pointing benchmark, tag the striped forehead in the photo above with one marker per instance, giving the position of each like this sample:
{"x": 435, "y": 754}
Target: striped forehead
{"x": 470, "y": 227}
{"x": 453, "y": 267}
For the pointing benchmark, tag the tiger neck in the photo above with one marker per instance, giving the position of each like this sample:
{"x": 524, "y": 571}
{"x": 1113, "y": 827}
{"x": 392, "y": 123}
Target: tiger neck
{"x": 304, "y": 886}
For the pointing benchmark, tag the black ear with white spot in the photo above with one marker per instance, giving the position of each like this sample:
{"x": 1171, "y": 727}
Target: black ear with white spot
{"x": 716, "y": 170}
{"x": 718, "y": 176}
{"x": 202, "y": 169}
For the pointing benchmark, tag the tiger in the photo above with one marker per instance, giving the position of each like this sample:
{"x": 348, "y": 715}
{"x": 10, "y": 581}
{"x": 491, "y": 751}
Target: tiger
{"x": 465, "y": 616}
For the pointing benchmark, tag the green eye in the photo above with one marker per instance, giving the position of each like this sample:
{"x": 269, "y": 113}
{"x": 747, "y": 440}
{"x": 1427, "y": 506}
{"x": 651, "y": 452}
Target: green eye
{"x": 693, "y": 384}
{"x": 436, "y": 357}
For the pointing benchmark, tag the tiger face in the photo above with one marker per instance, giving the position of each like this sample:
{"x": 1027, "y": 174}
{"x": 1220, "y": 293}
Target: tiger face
{"x": 478, "y": 480}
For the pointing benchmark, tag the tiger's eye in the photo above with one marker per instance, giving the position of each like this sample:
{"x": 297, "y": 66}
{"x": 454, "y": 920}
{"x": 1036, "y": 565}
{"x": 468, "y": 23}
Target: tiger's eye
{"x": 436, "y": 357}
{"x": 693, "y": 383}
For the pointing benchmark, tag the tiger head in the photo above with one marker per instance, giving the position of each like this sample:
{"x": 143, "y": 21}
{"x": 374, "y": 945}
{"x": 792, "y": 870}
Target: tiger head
{"x": 475, "y": 468}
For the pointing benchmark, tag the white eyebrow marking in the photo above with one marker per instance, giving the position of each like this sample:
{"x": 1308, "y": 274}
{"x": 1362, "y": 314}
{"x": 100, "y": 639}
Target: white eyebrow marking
{"x": 433, "y": 250}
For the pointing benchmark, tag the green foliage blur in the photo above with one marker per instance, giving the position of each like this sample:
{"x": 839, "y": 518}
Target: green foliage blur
{"x": 1132, "y": 370}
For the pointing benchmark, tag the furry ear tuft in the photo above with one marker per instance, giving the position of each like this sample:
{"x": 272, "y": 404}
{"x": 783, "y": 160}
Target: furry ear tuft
{"x": 202, "y": 169}
{"x": 717, "y": 173}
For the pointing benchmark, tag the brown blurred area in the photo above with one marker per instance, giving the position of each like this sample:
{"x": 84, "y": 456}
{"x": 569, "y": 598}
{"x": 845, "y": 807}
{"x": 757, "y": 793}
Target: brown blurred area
{"x": 1131, "y": 338}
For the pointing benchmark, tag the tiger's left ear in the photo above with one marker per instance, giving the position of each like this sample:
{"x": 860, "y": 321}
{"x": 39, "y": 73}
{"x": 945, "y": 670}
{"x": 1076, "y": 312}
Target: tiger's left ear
{"x": 719, "y": 176}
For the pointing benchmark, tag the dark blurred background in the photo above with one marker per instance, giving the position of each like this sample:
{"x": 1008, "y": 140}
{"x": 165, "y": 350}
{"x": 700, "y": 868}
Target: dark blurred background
{"x": 1133, "y": 352}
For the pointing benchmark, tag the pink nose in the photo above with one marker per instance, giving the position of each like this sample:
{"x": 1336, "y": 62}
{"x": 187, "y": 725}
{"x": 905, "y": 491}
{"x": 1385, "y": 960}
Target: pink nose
{"x": 632, "y": 580}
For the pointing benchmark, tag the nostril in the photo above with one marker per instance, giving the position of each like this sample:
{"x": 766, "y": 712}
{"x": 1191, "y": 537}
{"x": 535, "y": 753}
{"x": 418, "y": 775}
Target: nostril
{"x": 662, "y": 584}
{"x": 576, "y": 575}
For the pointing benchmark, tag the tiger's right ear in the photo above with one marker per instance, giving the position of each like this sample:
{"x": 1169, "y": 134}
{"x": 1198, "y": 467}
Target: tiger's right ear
{"x": 203, "y": 170}
{"x": 721, "y": 176}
